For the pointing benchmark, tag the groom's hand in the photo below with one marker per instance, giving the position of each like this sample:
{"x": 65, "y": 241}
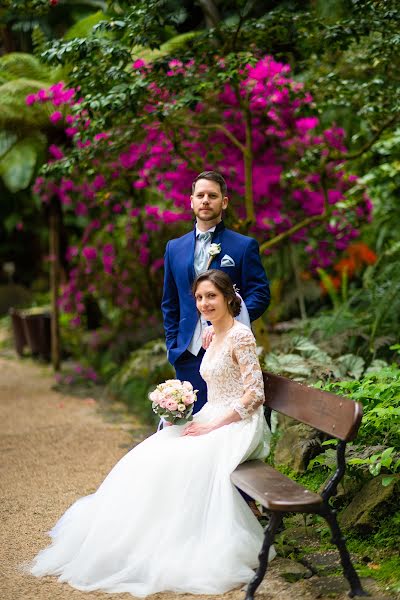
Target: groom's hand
{"x": 207, "y": 336}
{"x": 198, "y": 428}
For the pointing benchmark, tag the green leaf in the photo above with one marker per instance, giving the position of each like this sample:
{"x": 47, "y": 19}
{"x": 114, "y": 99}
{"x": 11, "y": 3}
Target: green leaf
{"x": 18, "y": 165}
{"x": 332, "y": 442}
{"x": 352, "y": 365}
{"x": 387, "y": 453}
{"x": 387, "y": 480}
{"x": 10, "y": 222}
{"x": 7, "y": 140}
{"x": 375, "y": 469}
{"x": 292, "y": 364}
{"x": 330, "y": 288}
{"x": 376, "y": 365}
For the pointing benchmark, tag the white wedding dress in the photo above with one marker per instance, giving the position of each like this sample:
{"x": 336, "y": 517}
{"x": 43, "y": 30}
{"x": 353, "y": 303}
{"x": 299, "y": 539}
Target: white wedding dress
{"x": 167, "y": 516}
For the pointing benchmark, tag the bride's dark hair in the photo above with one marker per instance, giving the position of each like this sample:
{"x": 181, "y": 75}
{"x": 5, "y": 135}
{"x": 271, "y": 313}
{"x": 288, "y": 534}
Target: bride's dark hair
{"x": 223, "y": 283}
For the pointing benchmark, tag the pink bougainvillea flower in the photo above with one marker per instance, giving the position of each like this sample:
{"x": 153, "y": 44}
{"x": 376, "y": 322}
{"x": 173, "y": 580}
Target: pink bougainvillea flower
{"x": 101, "y": 136}
{"x": 306, "y": 123}
{"x": 41, "y": 95}
{"x": 108, "y": 249}
{"x": 56, "y": 152}
{"x": 71, "y": 131}
{"x": 30, "y": 99}
{"x": 81, "y": 209}
{"x": 89, "y": 252}
{"x": 108, "y": 263}
{"x": 56, "y": 116}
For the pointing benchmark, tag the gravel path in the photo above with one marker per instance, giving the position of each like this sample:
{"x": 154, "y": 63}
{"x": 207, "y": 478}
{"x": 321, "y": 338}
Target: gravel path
{"x": 56, "y": 448}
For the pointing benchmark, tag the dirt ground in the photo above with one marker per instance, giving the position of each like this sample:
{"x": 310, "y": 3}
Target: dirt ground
{"x": 55, "y": 448}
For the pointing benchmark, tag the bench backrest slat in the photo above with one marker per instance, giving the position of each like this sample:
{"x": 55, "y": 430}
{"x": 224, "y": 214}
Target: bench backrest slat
{"x": 337, "y": 416}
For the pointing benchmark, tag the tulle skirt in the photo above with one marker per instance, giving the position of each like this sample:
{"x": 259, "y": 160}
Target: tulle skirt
{"x": 166, "y": 518}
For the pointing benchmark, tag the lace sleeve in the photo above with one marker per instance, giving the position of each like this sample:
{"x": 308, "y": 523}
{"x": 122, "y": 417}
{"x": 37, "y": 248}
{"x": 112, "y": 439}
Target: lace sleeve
{"x": 244, "y": 354}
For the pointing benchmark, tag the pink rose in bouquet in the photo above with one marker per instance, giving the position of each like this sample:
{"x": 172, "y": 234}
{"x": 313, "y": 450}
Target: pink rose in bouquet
{"x": 173, "y": 401}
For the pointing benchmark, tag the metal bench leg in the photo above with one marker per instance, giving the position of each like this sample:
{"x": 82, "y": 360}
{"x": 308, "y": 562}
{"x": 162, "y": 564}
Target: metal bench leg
{"x": 270, "y": 531}
{"x": 348, "y": 569}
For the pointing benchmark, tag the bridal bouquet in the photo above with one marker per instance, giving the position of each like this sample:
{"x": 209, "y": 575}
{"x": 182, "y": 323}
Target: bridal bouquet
{"x": 173, "y": 400}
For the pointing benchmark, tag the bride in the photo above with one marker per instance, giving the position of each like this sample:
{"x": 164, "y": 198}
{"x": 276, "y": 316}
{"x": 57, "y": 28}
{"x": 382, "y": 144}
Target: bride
{"x": 167, "y": 517}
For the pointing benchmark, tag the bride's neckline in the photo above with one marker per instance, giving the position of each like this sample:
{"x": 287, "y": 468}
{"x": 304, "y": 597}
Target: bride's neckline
{"x": 218, "y": 343}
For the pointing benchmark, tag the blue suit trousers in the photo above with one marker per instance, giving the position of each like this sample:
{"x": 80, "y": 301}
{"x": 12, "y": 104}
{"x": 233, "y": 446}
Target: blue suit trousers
{"x": 187, "y": 369}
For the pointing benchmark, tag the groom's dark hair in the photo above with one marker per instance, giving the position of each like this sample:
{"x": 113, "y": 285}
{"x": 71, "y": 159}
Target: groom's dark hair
{"x": 224, "y": 284}
{"x": 212, "y": 176}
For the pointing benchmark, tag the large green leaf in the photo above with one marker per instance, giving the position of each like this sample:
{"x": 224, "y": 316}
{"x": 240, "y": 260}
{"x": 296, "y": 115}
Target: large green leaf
{"x": 7, "y": 140}
{"x": 18, "y": 165}
{"x": 174, "y": 44}
{"x": 350, "y": 364}
{"x": 84, "y": 27}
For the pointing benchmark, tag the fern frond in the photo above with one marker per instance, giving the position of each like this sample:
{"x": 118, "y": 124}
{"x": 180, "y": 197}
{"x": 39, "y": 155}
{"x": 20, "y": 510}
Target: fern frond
{"x": 179, "y": 42}
{"x": 5, "y": 76}
{"x": 15, "y": 114}
{"x": 39, "y": 41}
{"x": 20, "y": 64}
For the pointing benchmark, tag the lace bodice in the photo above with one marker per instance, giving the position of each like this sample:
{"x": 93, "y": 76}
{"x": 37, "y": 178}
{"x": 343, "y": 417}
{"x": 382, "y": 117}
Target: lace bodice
{"x": 232, "y": 372}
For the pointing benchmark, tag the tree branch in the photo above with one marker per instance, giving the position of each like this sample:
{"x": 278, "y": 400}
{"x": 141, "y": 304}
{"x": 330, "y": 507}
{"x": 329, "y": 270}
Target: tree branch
{"x": 305, "y": 222}
{"x": 171, "y": 132}
{"x": 242, "y": 18}
{"x": 369, "y": 144}
{"x": 219, "y": 127}
{"x": 210, "y": 12}
{"x": 285, "y": 234}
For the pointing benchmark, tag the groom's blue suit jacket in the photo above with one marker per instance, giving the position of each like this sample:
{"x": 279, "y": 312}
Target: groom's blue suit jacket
{"x": 178, "y": 304}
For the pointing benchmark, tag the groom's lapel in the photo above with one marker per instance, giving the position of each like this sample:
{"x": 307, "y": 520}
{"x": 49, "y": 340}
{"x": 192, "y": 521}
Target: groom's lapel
{"x": 189, "y": 253}
{"x": 217, "y": 239}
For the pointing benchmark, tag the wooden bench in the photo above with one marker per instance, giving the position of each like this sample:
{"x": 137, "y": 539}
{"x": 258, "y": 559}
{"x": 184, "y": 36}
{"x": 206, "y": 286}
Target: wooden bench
{"x": 336, "y": 416}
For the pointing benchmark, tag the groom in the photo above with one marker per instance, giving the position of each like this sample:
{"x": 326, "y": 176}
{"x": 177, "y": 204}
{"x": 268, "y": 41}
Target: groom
{"x": 209, "y": 246}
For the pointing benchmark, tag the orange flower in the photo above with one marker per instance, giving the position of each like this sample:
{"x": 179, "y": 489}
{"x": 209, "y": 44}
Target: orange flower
{"x": 362, "y": 253}
{"x": 346, "y": 264}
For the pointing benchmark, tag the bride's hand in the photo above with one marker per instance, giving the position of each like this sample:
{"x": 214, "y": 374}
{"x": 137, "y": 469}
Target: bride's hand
{"x": 198, "y": 428}
{"x": 207, "y": 336}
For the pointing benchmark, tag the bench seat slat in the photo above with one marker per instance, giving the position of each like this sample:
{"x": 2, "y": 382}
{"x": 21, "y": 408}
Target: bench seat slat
{"x": 272, "y": 489}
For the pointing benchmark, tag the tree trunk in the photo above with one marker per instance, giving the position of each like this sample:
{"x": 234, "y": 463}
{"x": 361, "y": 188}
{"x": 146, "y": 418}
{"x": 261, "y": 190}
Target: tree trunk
{"x": 210, "y": 12}
{"x": 299, "y": 287}
{"x": 55, "y": 283}
{"x": 248, "y": 168}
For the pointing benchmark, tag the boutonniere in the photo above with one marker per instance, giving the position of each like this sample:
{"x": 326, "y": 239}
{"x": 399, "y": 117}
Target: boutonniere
{"x": 213, "y": 251}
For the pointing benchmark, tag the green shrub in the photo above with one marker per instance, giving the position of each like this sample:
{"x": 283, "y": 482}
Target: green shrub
{"x": 145, "y": 368}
